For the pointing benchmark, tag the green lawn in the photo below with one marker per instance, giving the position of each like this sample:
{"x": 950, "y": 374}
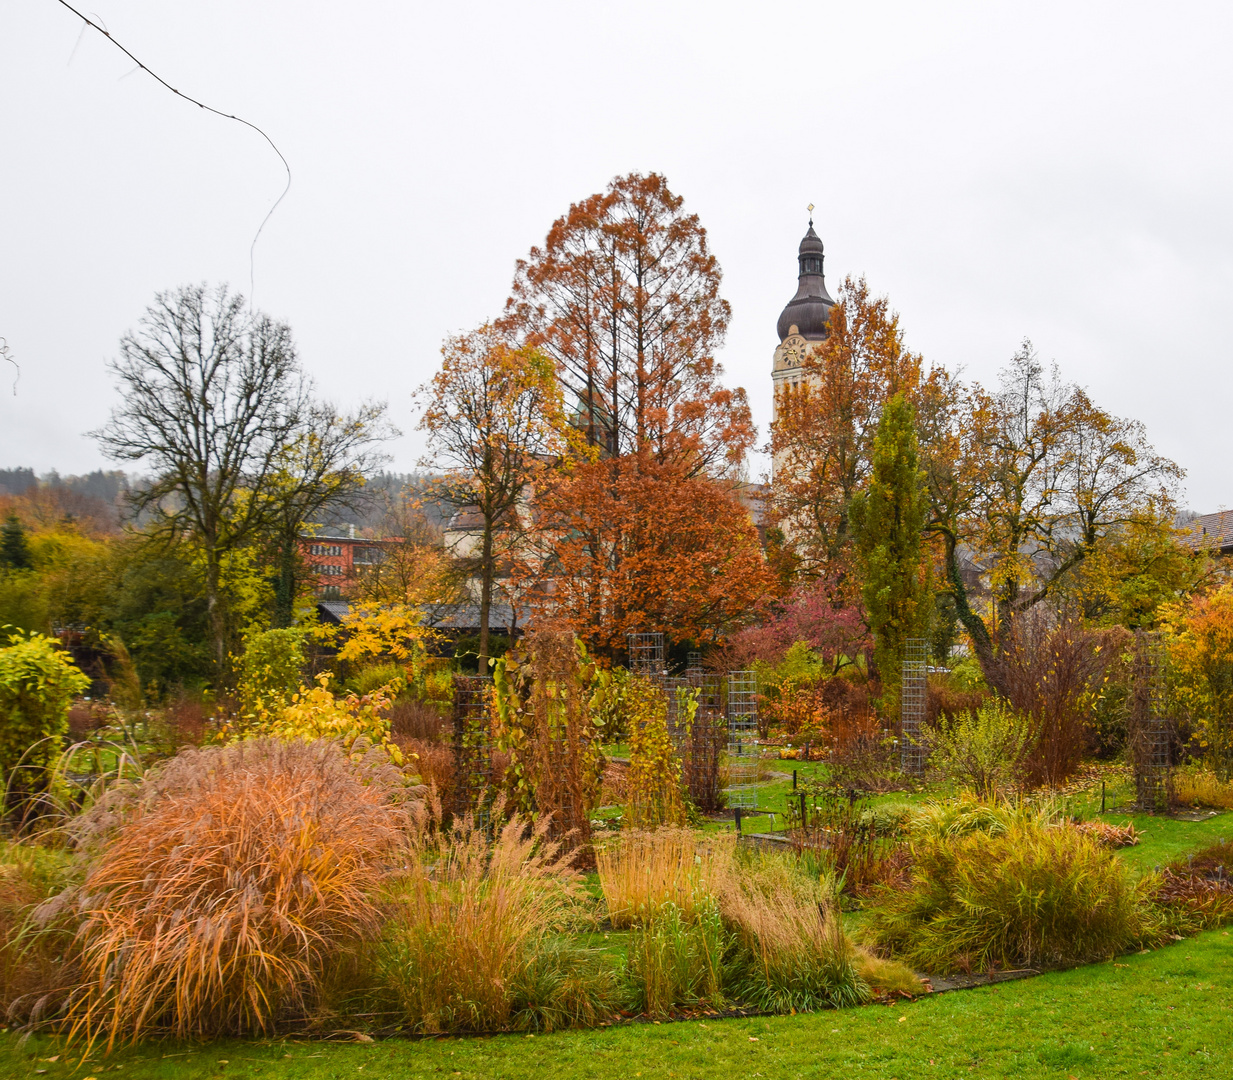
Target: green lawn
{"x": 1166, "y": 1014}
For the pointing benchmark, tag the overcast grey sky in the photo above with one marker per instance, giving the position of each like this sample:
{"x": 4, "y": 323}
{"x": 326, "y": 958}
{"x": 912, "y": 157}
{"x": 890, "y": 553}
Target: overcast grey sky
{"x": 1058, "y": 171}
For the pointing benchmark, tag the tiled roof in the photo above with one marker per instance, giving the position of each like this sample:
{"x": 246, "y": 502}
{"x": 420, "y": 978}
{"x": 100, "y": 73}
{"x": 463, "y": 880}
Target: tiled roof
{"x": 1213, "y": 532}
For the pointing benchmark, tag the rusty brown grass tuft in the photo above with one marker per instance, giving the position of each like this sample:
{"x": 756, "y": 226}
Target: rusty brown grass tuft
{"x": 224, "y": 889}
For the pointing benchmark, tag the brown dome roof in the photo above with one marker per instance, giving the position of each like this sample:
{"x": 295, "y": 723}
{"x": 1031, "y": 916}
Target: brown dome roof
{"x": 810, "y": 308}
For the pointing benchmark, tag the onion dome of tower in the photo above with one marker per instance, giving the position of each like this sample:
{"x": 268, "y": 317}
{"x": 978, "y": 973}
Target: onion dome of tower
{"x": 809, "y": 309}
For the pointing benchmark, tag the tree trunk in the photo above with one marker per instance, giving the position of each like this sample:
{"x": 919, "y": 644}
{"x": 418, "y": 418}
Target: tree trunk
{"x": 486, "y": 576}
{"x": 972, "y": 623}
{"x": 284, "y": 589}
{"x": 215, "y": 613}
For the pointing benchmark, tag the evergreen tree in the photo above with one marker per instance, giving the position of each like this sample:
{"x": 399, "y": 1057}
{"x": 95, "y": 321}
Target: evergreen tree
{"x": 888, "y": 519}
{"x": 14, "y": 551}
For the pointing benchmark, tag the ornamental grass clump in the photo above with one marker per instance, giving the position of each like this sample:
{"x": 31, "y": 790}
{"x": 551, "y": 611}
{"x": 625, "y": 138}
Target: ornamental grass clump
{"x": 791, "y": 950}
{"x": 1196, "y": 786}
{"x": 967, "y": 814}
{"x": 641, "y": 871}
{"x": 31, "y": 959}
{"x": 676, "y": 958}
{"x": 223, "y": 892}
{"x": 478, "y": 936}
{"x": 1021, "y": 895}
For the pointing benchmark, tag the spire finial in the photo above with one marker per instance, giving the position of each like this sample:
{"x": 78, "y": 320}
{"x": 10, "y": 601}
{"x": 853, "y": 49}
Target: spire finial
{"x": 810, "y": 209}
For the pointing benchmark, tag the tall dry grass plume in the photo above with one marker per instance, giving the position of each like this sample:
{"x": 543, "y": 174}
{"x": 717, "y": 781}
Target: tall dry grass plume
{"x": 476, "y": 942}
{"x": 794, "y": 952}
{"x": 1194, "y": 786}
{"x": 434, "y": 763}
{"x": 641, "y": 871}
{"x": 224, "y": 889}
{"x": 31, "y": 960}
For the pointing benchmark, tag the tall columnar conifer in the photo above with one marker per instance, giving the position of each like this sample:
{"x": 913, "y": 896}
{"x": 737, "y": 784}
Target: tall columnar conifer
{"x": 14, "y": 551}
{"x": 888, "y": 518}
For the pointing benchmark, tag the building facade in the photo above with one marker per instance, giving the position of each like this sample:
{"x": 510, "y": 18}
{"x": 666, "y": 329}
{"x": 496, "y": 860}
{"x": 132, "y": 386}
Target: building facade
{"x": 337, "y": 561}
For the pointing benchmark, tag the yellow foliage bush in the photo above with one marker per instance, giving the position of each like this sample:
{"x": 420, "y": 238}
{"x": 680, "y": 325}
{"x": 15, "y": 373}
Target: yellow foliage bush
{"x": 654, "y": 767}
{"x": 317, "y": 713}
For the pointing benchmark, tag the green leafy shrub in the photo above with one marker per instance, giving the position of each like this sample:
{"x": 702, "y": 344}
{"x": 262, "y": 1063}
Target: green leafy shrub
{"x": 985, "y": 750}
{"x": 1021, "y": 894}
{"x": 269, "y": 671}
{"x": 608, "y": 708}
{"x": 390, "y": 677}
{"x": 37, "y": 684}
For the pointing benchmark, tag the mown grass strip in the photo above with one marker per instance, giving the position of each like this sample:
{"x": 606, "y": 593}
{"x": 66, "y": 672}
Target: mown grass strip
{"x": 1164, "y": 1014}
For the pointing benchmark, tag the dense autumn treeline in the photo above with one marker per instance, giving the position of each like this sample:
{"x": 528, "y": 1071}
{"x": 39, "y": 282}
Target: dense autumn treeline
{"x": 598, "y": 468}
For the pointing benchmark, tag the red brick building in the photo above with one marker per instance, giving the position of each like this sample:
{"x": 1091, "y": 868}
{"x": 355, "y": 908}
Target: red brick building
{"x": 336, "y": 561}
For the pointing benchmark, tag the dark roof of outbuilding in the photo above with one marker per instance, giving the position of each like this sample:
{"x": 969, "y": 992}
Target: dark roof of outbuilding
{"x": 463, "y": 617}
{"x": 810, "y": 308}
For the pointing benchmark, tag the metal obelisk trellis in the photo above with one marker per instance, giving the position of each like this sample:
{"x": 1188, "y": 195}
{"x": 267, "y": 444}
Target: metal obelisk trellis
{"x": 742, "y": 739}
{"x": 1149, "y": 724}
{"x": 913, "y": 689}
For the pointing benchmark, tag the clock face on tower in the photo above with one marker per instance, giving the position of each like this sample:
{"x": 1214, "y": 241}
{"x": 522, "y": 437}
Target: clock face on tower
{"x": 793, "y": 351}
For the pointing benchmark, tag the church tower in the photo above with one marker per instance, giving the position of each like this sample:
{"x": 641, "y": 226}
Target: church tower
{"x": 802, "y": 326}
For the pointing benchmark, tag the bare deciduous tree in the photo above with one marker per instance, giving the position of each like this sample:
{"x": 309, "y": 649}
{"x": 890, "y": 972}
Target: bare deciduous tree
{"x": 215, "y": 403}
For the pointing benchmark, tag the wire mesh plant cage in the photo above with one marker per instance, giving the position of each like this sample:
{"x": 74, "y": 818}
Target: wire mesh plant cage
{"x": 646, "y": 654}
{"x": 471, "y": 742}
{"x": 742, "y": 740}
{"x": 1149, "y": 729}
{"x": 913, "y": 693}
{"x": 699, "y": 745}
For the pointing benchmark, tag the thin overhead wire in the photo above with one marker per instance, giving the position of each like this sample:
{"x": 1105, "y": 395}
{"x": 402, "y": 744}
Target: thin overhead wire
{"x": 217, "y": 112}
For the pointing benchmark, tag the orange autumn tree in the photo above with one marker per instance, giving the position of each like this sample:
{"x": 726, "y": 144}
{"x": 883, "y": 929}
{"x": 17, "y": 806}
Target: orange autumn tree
{"x": 624, "y": 297}
{"x": 493, "y": 413}
{"x": 648, "y": 534}
{"x": 1201, "y": 648}
{"x": 822, "y": 439}
{"x": 657, "y": 550}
